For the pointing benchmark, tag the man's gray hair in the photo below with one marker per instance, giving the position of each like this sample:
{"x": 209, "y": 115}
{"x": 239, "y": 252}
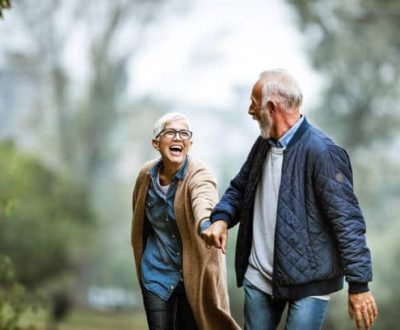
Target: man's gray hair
{"x": 168, "y": 117}
{"x": 280, "y": 86}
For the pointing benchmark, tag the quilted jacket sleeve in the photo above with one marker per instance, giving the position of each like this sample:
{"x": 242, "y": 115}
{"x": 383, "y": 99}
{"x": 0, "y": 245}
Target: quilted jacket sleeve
{"x": 334, "y": 188}
{"x": 229, "y": 205}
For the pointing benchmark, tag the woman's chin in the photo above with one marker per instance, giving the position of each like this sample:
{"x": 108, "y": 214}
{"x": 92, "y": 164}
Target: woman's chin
{"x": 173, "y": 160}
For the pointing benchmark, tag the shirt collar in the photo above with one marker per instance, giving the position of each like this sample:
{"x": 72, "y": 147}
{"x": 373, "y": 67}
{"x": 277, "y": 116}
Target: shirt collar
{"x": 178, "y": 176}
{"x": 285, "y": 138}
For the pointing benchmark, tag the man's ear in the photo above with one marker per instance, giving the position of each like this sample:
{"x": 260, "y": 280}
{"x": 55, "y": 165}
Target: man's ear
{"x": 156, "y": 144}
{"x": 271, "y": 107}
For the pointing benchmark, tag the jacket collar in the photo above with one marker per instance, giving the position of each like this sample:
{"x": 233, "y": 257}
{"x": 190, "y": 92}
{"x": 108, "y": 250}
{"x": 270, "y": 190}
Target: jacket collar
{"x": 300, "y": 131}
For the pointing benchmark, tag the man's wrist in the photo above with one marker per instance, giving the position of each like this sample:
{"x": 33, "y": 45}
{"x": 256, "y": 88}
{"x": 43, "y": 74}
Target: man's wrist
{"x": 220, "y": 216}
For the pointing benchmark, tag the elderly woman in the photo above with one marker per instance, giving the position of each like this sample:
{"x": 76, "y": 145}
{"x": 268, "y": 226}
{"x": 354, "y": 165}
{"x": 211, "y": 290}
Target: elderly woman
{"x": 183, "y": 282}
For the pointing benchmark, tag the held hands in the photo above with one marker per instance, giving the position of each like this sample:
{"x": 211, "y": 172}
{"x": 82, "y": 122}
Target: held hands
{"x": 216, "y": 235}
{"x": 362, "y": 307}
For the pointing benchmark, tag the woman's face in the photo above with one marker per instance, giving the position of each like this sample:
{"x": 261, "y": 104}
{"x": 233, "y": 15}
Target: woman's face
{"x": 174, "y": 146}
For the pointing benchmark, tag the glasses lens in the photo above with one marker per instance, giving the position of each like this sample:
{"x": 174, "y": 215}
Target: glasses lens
{"x": 185, "y": 134}
{"x": 171, "y": 133}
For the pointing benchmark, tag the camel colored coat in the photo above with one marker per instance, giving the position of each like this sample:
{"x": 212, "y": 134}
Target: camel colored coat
{"x": 204, "y": 270}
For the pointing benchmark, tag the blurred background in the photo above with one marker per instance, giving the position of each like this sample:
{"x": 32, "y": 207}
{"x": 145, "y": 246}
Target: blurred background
{"x": 81, "y": 85}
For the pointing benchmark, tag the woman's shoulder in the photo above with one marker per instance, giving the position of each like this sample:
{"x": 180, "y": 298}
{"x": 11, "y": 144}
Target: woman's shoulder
{"x": 197, "y": 168}
{"x": 146, "y": 167}
{"x": 195, "y": 164}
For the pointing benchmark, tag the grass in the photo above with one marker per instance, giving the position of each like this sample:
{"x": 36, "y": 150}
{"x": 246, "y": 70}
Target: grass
{"x": 91, "y": 320}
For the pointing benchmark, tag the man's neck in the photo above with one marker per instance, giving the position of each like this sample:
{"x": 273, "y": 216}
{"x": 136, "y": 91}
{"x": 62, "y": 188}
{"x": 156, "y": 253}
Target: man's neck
{"x": 283, "y": 124}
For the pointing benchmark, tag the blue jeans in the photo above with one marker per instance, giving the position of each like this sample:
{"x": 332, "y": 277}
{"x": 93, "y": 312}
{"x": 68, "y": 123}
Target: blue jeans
{"x": 262, "y": 312}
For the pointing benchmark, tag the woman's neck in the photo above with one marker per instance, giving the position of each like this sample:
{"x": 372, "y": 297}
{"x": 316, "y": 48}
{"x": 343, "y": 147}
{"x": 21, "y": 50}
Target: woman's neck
{"x": 168, "y": 172}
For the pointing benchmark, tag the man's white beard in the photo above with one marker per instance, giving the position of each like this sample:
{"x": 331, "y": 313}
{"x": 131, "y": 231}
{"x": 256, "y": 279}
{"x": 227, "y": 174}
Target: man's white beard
{"x": 265, "y": 125}
{"x": 264, "y": 131}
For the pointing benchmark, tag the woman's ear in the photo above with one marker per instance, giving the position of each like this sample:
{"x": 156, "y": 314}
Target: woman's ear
{"x": 156, "y": 144}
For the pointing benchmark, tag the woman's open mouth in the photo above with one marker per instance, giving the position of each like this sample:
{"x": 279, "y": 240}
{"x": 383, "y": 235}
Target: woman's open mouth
{"x": 176, "y": 150}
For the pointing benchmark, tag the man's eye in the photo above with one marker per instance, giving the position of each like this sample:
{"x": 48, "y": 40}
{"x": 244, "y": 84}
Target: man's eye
{"x": 184, "y": 134}
{"x": 169, "y": 132}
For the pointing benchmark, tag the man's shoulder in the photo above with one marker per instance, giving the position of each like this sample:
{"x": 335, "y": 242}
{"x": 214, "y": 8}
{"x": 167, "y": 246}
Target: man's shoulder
{"x": 317, "y": 141}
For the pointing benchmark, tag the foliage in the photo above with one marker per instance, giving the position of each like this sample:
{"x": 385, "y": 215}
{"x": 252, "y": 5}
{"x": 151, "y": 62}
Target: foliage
{"x": 14, "y": 300}
{"x": 355, "y": 44}
{"x": 4, "y": 4}
{"x": 48, "y": 218}
{"x": 80, "y": 112}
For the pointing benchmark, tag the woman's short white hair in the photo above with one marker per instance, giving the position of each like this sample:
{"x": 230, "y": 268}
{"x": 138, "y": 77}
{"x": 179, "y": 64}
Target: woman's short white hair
{"x": 280, "y": 86}
{"x": 168, "y": 117}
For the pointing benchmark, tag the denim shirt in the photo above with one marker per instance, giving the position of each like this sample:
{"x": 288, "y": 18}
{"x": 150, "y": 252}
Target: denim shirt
{"x": 161, "y": 264}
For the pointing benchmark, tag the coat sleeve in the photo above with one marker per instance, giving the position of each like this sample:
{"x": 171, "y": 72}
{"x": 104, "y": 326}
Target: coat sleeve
{"x": 228, "y": 207}
{"x": 334, "y": 188}
{"x": 204, "y": 195}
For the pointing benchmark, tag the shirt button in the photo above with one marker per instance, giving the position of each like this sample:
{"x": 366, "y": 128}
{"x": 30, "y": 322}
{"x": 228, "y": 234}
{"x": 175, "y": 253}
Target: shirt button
{"x": 172, "y": 287}
{"x": 178, "y": 253}
{"x": 173, "y": 236}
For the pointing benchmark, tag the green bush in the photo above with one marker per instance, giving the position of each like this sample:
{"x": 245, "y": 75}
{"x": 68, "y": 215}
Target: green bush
{"x": 43, "y": 218}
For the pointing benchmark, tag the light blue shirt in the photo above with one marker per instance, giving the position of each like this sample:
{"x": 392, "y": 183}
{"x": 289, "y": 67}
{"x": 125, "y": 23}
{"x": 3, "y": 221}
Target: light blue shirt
{"x": 285, "y": 138}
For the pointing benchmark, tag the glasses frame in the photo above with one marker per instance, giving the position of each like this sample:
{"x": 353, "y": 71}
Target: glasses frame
{"x": 176, "y": 132}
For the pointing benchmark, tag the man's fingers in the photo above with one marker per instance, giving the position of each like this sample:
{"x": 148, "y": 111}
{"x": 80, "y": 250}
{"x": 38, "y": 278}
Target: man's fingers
{"x": 223, "y": 244}
{"x": 216, "y": 241}
{"x": 375, "y": 309}
{"x": 351, "y": 312}
{"x": 359, "y": 319}
{"x": 367, "y": 318}
{"x": 205, "y": 236}
{"x": 371, "y": 313}
{"x": 216, "y": 235}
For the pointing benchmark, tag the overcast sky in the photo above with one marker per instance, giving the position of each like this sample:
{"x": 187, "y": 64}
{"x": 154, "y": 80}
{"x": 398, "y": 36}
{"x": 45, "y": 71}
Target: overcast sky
{"x": 218, "y": 45}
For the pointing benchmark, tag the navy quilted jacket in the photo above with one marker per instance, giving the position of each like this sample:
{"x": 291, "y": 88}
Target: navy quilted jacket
{"x": 320, "y": 230}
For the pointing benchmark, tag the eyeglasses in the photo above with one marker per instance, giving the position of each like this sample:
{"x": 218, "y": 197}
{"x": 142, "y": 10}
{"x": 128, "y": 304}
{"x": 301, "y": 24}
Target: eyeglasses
{"x": 171, "y": 133}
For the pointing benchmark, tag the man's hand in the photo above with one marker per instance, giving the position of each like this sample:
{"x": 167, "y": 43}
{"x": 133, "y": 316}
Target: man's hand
{"x": 216, "y": 235}
{"x": 362, "y": 307}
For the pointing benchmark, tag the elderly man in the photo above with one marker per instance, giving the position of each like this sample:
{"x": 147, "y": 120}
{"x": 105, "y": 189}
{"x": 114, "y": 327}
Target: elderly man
{"x": 301, "y": 228}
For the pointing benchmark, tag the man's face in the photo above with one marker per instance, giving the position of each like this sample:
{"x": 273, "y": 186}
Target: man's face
{"x": 260, "y": 114}
{"x": 173, "y": 146}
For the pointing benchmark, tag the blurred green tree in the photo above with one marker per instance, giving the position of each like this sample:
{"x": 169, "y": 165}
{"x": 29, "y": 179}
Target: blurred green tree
{"x": 43, "y": 217}
{"x": 14, "y": 299}
{"x": 356, "y": 46}
{"x": 4, "y": 4}
{"x": 84, "y": 105}
{"x": 86, "y": 118}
